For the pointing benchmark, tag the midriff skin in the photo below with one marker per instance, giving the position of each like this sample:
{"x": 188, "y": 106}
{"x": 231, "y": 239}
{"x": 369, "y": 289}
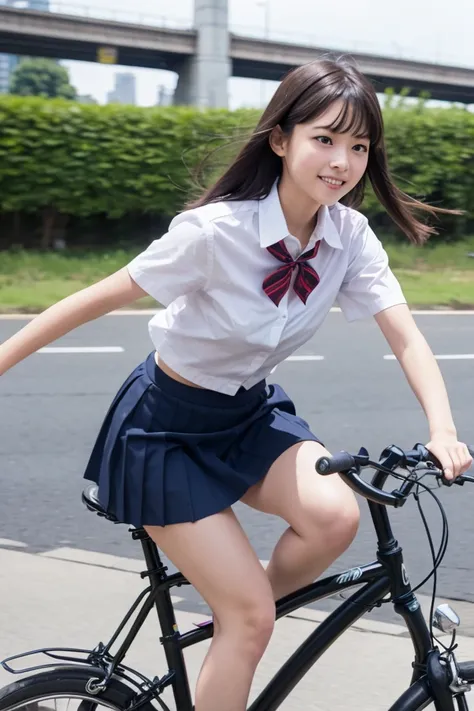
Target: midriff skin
{"x": 172, "y": 374}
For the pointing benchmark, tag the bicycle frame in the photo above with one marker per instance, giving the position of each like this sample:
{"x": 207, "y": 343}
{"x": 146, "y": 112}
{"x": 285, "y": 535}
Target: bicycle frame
{"x": 386, "y": 575}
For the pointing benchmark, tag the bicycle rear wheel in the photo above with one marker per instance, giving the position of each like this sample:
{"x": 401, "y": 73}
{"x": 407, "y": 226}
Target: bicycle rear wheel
{"x": 418, "y": 696}
{"x": 65, "y": 689}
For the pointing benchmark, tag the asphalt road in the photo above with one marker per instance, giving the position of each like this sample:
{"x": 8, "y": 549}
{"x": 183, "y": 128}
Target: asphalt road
{"x": 51, "y": 406}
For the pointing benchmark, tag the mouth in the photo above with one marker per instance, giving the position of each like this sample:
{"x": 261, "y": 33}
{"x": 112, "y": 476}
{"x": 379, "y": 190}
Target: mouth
{"x": 332, "y": 183}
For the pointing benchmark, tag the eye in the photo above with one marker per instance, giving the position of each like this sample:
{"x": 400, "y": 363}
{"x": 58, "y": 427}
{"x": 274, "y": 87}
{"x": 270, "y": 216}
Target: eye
{"x": 360, "y": 148}
{"x": 325, "y": 140}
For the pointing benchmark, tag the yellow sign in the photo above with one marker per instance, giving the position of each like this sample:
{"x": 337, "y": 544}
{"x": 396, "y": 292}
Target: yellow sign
{"x": 107, "y": 55}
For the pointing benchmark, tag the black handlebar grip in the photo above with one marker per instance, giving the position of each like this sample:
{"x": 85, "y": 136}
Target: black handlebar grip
{"x": 340, "y": 462}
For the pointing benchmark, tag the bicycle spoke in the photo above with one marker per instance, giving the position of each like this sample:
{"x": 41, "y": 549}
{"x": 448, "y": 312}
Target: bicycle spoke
{"x": 61, "y": 703}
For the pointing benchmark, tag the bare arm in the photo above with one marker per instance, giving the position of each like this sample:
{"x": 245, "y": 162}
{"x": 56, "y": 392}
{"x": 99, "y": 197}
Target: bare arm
{"x": 90, "y": 303}
{"x": 421, "y": 369}
{"x": 424, "y": 376}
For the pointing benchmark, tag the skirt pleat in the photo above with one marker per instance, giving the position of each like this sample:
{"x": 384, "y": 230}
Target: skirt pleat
{"x": 168, "y": 453}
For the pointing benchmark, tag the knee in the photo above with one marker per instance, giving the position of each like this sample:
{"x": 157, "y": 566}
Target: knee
{"x": 258, "y": 624}
{"x": 336, "y": 520}
{"x": 345, "y": 523}
{"x": 251, "y": 624}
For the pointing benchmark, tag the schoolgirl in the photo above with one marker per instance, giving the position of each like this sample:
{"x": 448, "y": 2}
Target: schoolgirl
{"x": 247, "y": 274}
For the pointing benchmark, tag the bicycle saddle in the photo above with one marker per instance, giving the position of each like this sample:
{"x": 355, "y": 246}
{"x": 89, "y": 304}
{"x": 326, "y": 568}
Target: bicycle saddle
{"x": 90, "y": 497}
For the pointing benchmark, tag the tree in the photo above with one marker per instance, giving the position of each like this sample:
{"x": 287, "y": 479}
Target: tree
{"x": 41, "y": 77}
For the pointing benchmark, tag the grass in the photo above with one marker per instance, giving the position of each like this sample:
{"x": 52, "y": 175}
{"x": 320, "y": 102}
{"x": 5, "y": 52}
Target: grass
{"x": 31, "y": 281}
{"x": 437, "y": 276}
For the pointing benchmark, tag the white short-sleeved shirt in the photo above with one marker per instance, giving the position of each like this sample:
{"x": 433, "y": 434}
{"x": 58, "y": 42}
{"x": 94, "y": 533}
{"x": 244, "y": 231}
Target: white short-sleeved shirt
{"x": 219, "y": 329}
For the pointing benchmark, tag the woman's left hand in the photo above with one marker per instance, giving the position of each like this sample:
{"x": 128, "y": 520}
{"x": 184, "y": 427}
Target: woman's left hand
{"x": 453, "y": 455}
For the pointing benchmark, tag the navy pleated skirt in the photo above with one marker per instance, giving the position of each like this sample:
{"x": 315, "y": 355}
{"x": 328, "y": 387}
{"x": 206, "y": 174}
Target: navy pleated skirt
{"x": 169, "y": 453}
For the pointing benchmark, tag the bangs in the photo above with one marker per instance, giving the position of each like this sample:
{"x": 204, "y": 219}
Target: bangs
{"x": 357, "y": 118}
{"x": 360, "y": 113}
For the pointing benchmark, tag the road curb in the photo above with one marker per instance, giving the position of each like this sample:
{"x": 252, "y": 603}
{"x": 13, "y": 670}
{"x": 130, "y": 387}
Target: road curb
{"x": 135, "y": 566}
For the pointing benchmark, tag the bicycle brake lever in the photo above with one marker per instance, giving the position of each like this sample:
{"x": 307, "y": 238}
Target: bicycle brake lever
{"x": 427, "y": 457}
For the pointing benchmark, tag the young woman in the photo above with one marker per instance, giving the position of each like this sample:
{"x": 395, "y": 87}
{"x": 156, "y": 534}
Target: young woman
{"x": 247, "y": 275}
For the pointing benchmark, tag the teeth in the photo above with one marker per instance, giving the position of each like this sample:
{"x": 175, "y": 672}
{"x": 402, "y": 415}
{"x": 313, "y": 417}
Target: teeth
{"x": 332, "y": 182}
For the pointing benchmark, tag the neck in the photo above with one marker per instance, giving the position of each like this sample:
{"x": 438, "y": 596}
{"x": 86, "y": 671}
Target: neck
{"x": 300, "y": 211}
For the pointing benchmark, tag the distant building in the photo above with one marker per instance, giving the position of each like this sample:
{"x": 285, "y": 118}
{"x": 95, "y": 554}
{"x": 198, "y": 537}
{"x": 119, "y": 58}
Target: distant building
{"x": 42, "y": 5}
{"x": 86, "y": 99}
{"x": 164, "y": 95}
{"x": 124, "y": 91}
{"x": 8, "y": 62}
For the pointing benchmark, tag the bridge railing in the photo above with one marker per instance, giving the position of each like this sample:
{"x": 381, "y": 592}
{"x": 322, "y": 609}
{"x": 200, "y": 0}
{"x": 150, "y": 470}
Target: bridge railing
{"x": 256, "y": 31}
{"x": 101, "y": 12}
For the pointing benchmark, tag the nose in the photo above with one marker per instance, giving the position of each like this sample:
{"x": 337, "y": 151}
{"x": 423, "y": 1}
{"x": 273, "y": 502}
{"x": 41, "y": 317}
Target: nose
{"x": 339, "y": 160}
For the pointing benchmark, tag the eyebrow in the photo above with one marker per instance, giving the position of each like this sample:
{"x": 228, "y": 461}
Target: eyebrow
{"x": 331, "y": 130}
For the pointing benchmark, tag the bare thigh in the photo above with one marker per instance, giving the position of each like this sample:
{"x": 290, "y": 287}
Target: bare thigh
{"x": 293, "y": 490}
{"x": 215, "y": 555}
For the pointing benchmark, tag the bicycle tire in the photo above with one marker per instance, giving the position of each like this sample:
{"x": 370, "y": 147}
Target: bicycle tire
{"x": 68, "y": 680}
{"x": 418, "y": 696}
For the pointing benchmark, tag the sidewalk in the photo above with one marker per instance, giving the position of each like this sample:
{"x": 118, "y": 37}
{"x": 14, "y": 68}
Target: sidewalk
{"x": 50, "y": 601}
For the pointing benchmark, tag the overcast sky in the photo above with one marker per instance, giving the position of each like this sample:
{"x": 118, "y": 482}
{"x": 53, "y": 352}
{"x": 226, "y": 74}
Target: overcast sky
{"x": 431, "y": 30}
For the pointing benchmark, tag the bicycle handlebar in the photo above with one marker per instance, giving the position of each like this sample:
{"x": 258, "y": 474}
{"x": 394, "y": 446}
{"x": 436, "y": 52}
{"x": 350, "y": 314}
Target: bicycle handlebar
{"x": 349, "y": 465}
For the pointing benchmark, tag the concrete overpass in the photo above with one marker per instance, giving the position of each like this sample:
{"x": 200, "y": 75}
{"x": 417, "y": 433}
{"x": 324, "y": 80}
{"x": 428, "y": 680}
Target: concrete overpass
{"x": 206, "y": 56}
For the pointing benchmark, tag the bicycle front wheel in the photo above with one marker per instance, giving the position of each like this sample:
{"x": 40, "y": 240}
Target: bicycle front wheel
{"x": 418, "y": 696}
{"x": 66, "y": 689}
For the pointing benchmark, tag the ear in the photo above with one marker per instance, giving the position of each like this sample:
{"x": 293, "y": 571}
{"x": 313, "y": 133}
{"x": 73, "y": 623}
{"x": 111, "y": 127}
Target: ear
{"x": 278, "y": 141}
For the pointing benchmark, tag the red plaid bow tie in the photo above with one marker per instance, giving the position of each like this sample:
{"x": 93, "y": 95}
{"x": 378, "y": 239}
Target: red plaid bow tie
{"x": 278, "y": 282}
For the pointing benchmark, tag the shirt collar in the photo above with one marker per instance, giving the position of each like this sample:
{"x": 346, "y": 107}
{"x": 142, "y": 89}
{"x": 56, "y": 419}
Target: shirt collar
{"x": 272, "y": 224}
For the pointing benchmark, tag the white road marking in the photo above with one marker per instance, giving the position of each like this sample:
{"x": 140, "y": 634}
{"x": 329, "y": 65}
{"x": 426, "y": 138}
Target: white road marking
{"x": 442, "y": 312}
{"x": 453, "y": 356}
{"x": 81, "y": 349}
{"x": 305, "y": 357}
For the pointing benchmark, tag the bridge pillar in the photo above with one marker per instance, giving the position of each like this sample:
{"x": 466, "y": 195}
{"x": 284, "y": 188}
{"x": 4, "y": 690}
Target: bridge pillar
{"x": 203, "y": 78}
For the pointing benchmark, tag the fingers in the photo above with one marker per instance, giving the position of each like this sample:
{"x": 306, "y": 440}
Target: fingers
{"x": 468, "y": 460}
{"x": 453, "y": 457}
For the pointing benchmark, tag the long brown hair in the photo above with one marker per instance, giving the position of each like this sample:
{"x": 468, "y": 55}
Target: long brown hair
{"x": 305, "y": 93}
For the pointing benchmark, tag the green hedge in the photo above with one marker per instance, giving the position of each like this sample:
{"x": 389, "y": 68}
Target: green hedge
{"x": 60, "y": 158}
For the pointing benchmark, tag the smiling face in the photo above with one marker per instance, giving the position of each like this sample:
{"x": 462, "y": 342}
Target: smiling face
{"x": 321, "y": 160}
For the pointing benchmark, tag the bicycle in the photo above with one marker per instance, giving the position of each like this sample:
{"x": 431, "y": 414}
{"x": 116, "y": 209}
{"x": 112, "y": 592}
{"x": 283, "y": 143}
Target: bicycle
{"x": 99, "y": 677}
